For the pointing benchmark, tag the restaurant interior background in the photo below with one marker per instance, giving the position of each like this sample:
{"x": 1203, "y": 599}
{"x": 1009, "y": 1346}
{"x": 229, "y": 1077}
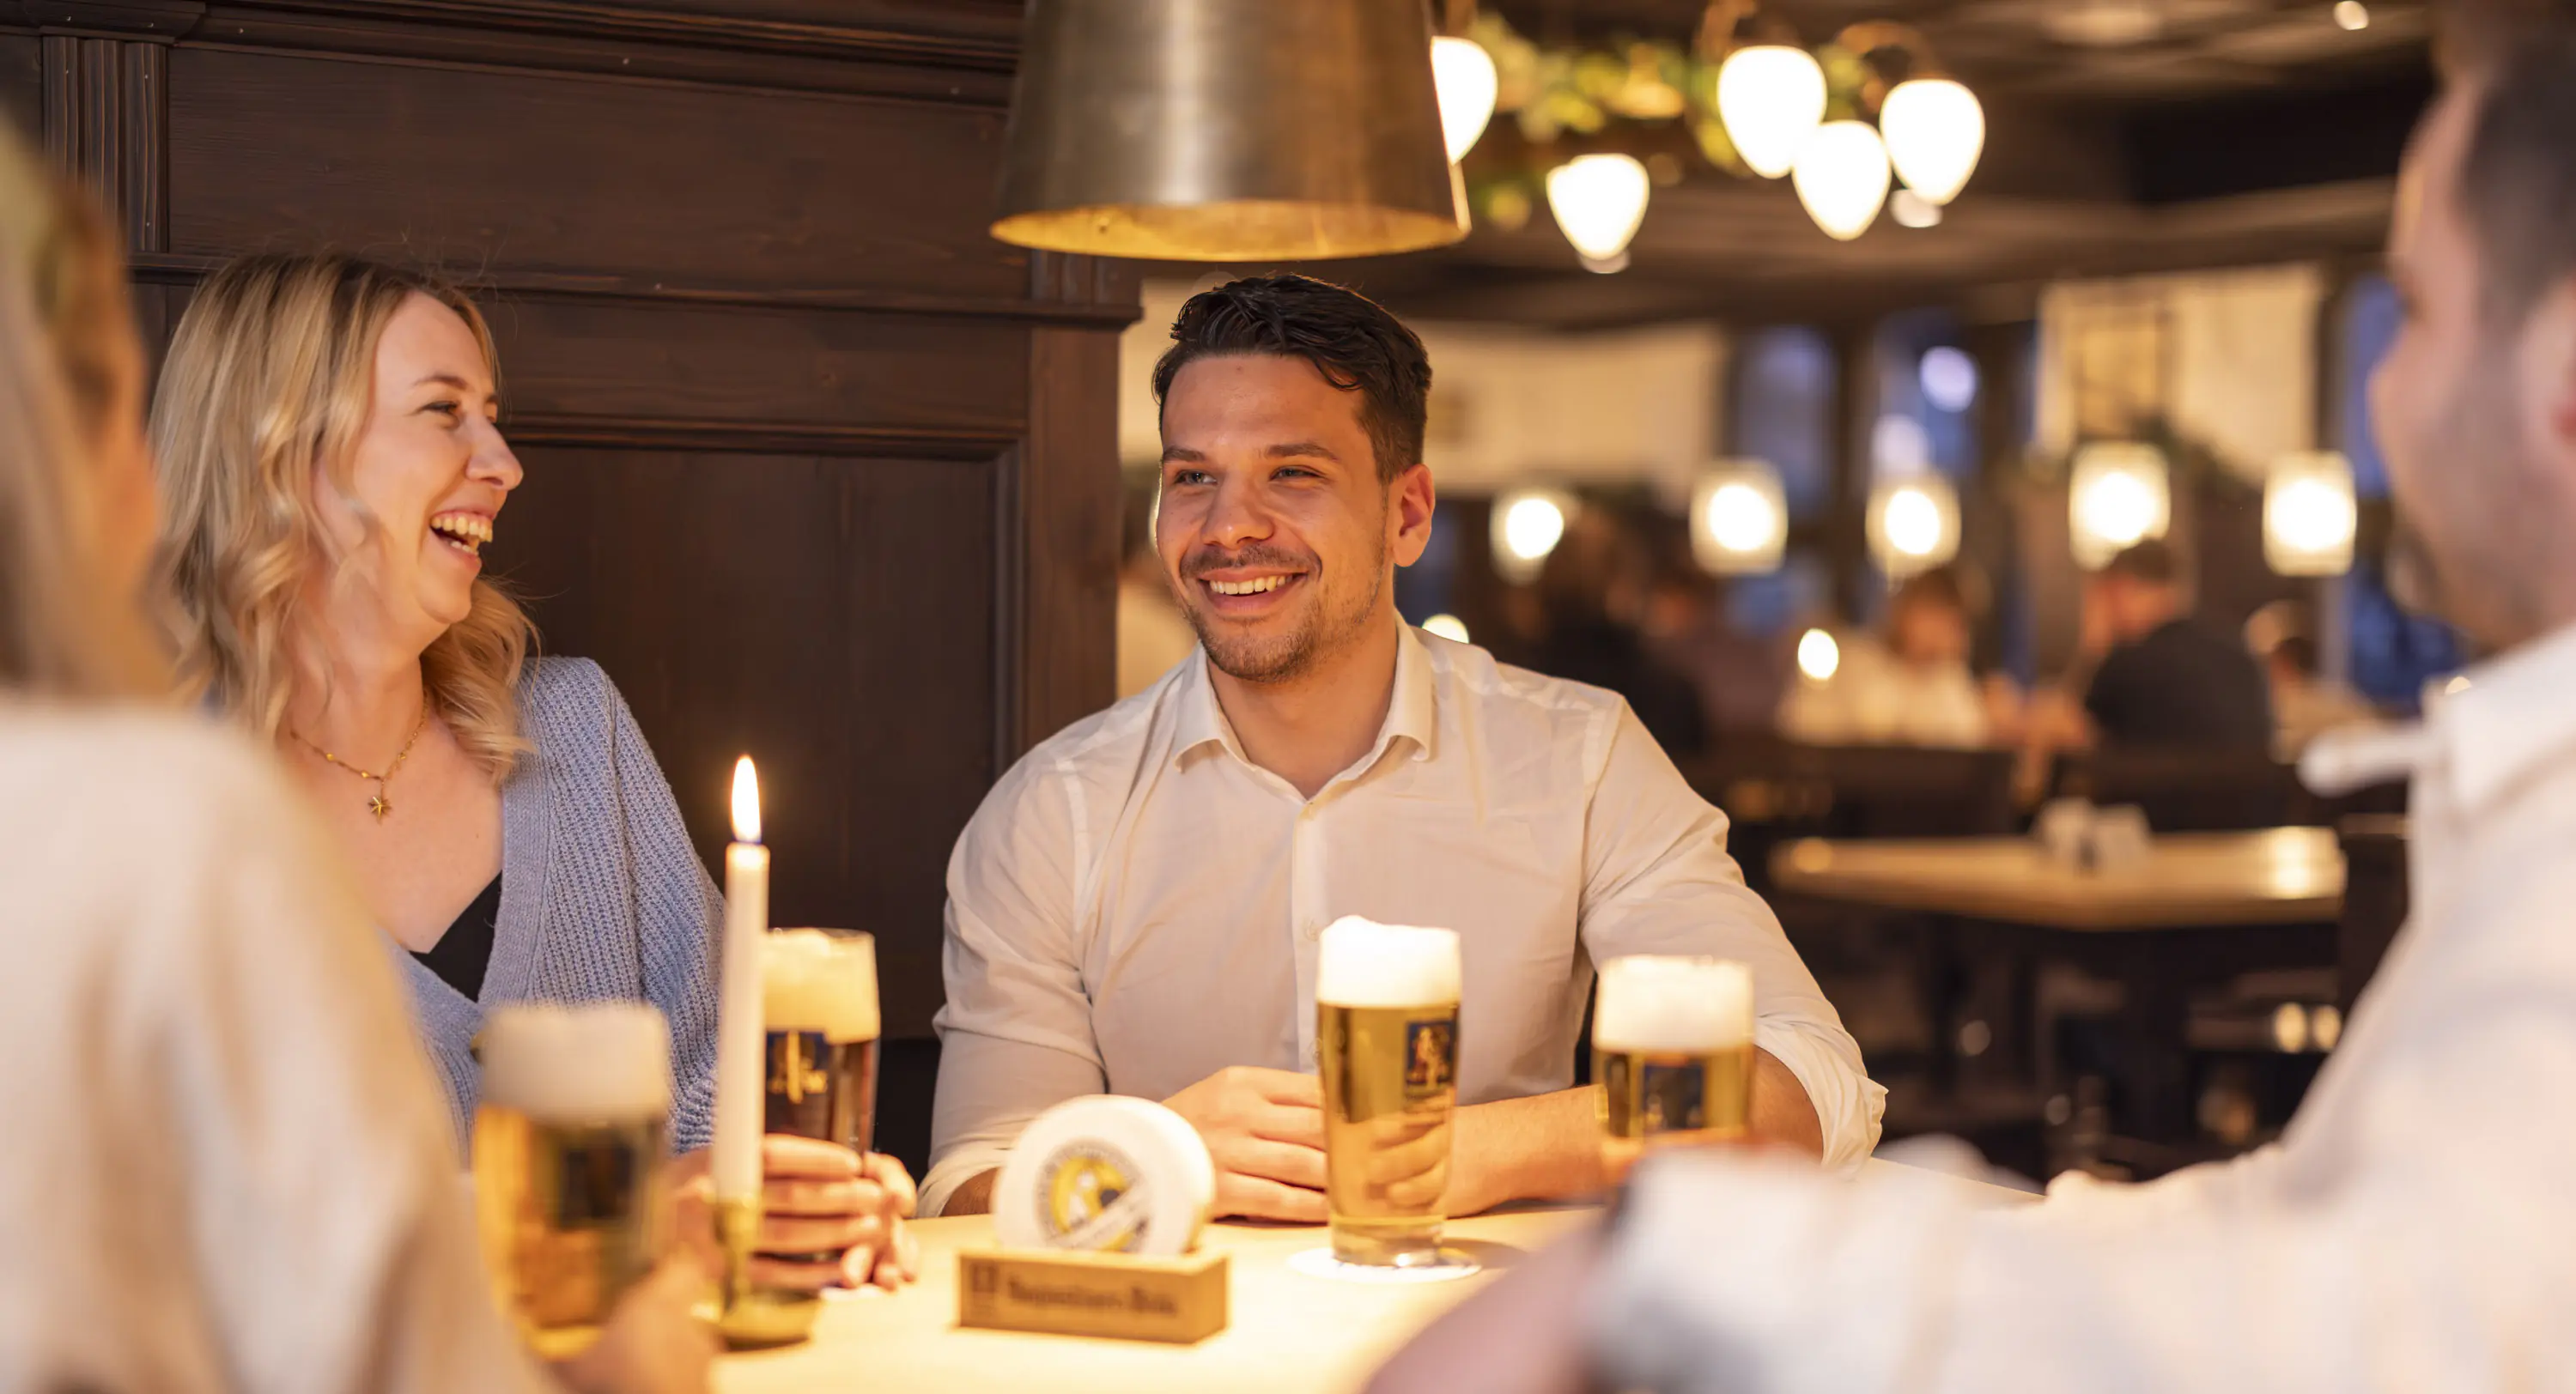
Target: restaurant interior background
{"x": 819, "y": 470}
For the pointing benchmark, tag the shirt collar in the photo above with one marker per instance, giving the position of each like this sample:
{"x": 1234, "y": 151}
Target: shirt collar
{"x": 2510, "y": 717}
{"x": 1413, "y": 713}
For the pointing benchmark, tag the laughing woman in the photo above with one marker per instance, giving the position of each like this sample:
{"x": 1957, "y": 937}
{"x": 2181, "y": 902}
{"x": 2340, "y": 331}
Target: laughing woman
{"x": 327, "y": 430}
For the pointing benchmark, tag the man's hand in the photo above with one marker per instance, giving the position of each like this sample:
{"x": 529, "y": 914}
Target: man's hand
{"x": 1265, "y": 1130}
{"x": 653, "y": 1343}
{"x": 828, "y": 1216}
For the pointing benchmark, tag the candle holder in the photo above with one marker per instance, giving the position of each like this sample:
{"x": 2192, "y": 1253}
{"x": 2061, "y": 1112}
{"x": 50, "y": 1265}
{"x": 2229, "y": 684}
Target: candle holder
{"x": 748, "y": 1316}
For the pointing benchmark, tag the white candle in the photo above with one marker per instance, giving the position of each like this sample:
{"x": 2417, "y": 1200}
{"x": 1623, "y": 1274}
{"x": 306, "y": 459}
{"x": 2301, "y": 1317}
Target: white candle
{"x": 736, "y": 1167}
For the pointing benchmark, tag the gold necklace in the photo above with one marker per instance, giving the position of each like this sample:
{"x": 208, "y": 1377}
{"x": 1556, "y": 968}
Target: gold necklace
{"x": 377, "y": 804}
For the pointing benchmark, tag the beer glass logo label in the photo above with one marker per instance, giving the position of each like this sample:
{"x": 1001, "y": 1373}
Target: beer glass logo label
{"x": 1090, "y": 1199}
{"x": 1430, "y": 1057}
{"x": 1674, "y": 1097}
{"x": 796, "y": 1065}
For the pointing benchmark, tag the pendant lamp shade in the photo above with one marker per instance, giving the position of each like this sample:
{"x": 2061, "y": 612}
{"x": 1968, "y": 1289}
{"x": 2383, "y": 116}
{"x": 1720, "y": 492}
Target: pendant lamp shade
{"x": 1935, "y": 129}
{"x": 1771, "y": 96}
{"x": 1841, "y": 177}
{"x": 1221, "y": 130}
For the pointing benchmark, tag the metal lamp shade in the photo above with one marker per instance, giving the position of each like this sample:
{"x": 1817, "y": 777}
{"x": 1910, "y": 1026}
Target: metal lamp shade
{"x": 1226, "y": 130}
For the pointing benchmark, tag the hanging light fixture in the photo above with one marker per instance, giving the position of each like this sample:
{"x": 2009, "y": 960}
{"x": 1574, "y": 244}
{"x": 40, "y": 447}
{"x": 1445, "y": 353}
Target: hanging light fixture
{"x": 1934, "y": 129}
{"x": 1468, "y": 84}
{"x": 2309, "y": 516}
{"x": 1841, "y": 177}
{"x": 1770, "y": 98}
{"x": 1913, "y": 524}
{"x": 1598, "y": 201}
{"x": 2119, "y": 495}
{"x": 1224, "y": 130}
{"x": 1739, "y": 518}
{"x": 1528, "y": 523}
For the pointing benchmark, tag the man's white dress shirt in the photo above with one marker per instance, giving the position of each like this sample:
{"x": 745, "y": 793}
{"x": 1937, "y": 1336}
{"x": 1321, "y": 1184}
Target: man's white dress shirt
{"x": 2405, "y": 1234}
{"x": 1136, "y": 905}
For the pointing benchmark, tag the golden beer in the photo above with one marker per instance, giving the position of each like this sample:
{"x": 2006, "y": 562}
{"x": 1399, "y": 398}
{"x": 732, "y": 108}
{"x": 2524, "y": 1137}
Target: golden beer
{"x": 1672, "y": 1054}
{"x": 569, "y": 1144}
{"x": 1386, "y": 1036}
{"x": 818, "y": 1000}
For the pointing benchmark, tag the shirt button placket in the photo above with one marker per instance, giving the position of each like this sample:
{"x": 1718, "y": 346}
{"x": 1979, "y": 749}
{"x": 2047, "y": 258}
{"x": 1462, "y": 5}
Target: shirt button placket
{"x": 1305, "y": 919}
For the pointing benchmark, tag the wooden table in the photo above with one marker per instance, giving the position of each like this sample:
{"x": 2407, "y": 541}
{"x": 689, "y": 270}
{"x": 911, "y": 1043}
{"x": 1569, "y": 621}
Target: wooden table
{"x": 1290, "y": 1334}
{"x": 2199, "y": 908}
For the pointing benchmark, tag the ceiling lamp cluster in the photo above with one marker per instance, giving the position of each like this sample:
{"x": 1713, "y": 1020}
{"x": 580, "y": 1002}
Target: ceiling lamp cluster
{"x": 1845, "y": 123}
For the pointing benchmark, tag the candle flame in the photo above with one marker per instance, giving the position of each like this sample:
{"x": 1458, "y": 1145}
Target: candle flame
{"x": 746, "y": 802}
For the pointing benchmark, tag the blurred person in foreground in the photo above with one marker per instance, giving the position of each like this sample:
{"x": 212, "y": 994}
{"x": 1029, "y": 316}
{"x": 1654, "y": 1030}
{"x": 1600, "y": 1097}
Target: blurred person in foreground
{"x": 228, "y": 1166}
{"x": 327, "y": 432}
{"x": 1136, "y": 907}
{"x": 2409, "y": 1231}
{"x": 2305, "y": 702}
{"x": 1914, "y": 686}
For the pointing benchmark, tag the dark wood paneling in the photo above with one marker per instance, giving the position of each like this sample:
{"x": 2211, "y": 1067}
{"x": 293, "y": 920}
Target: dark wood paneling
{"x": 816, "y": 469}
{"x": 832, "y": 617}
{"x": 533, "y": 170}
{"x": 22, "y": 84}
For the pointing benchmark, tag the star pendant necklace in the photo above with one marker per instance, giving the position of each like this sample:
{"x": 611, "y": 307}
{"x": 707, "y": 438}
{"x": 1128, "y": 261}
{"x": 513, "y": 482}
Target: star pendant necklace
{"x": 377, "y": 803}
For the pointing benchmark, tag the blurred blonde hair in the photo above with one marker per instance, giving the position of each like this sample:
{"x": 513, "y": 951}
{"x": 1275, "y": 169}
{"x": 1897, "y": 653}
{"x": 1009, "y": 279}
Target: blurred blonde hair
{"x": 266, "y": 388}
{"x": 67, "y": 626}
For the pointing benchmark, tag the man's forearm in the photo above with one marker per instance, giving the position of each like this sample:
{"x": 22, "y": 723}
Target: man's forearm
{"x": 1549, "y": 1145}
{"x": 974, "y": 1196}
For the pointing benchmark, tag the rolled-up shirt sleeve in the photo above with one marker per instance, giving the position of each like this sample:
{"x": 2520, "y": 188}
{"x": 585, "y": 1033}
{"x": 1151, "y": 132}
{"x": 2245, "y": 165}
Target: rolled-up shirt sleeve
{"x": 1658, "y": 880}
{"x": 1015, "y": 1034}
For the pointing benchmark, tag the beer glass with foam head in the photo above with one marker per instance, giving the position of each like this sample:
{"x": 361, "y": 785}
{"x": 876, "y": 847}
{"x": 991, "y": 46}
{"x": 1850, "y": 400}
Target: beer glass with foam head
{"x": 1672, "y": 1049}
{"x": 818, "y": 1001}
{"x": 568, "y": 1157}
{"x": 1386, "y": 1005}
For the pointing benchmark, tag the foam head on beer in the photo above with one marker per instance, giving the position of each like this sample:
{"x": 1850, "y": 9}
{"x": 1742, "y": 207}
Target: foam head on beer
{"x": 813, "y": 981}
{"x": 583, "y": 1062}
{"x": 1655, "y": 1005}
{"x": 1361, "y": 963}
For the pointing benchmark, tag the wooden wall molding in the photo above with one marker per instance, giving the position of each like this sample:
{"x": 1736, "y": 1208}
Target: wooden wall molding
{"x": 1102, "y": 311}
{"x": 106, "y": 104}
{"x": 826, "y": 441}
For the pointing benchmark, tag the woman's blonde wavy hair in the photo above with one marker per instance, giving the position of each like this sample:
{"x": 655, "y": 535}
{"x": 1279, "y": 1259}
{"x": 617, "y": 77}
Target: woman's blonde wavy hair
{"x": 68, "y": 626}
{"x": 266, "y": 390}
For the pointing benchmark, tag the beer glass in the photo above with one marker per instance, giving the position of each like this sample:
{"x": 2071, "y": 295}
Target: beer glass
{"x": 568, "y": 1157}
{"x": 818, "y": 1001}
{"x": 1672, "y": 1049}
{"x": 1386, "y": 1005}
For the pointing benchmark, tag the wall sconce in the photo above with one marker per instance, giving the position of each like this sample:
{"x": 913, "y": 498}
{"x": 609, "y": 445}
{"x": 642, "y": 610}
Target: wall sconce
{"x": 1739, "y": 519}
{"x": 1528, "y": 523}
{"x": 2309, "y": 516}
{"x": 1913, "y": 524}
{"x": 2120, "y": 494}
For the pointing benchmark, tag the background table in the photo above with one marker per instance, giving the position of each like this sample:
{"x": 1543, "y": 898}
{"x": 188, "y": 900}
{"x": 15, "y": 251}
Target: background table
{"x": 1288, "y": 1334}
{"x": 2199, "y": 908}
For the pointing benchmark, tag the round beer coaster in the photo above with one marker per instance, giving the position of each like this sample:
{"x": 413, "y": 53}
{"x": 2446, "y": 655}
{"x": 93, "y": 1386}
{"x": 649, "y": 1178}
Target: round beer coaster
{"x": 1320, "y": 1263}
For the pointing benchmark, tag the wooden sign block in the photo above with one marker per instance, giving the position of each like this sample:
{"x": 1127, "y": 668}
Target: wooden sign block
{"x": 1071, "y": 1293}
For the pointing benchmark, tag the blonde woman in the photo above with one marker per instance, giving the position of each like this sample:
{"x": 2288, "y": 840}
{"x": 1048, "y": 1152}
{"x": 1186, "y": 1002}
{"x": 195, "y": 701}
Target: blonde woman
{"x": 327, "y": 429}
{"x": 227, "y": 1167}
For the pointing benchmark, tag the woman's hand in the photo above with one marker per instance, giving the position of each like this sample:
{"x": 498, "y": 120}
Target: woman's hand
{"x": 829, "y": 1217}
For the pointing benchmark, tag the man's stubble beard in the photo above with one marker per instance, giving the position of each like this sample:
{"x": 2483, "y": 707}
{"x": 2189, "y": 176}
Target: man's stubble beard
{"x": 2490, "y": 582}
{"x": 1292, "y": 657}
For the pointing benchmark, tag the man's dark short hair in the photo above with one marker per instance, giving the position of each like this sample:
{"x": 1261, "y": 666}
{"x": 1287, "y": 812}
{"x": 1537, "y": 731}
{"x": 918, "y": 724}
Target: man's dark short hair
{"x": 2150, "y": 562}
{"x": 2518, "y": 179}
{"x": 1350, "y": 339}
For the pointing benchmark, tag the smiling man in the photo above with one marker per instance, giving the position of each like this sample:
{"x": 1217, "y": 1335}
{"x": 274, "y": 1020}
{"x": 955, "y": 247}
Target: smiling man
{"x": 1136, "y": 907}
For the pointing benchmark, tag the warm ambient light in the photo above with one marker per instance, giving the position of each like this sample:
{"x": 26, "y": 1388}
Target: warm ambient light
{"x": 1598, "y": 201}
{"x": 1528, "y": 523}
{"x": 1841, "y": 177}
{"x": 1913, "y": 524}
{"x": 1447, "y": 627}
{"x": 2309, "y": 516}
{"x": 2352, "y": 14}
{"x": 746, "y": 802}
{"x": 1739, "y": 519}
{"x": 1464, "y": 73}
{"x": 2120, "y": 495}
{"x": 1913, "y": 210}
{"x": 1818, "y": 655}
{"x": 1934, "y": 129}
{"x": 1770, "y": 97}
{"x": 2290, "y": 1027}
